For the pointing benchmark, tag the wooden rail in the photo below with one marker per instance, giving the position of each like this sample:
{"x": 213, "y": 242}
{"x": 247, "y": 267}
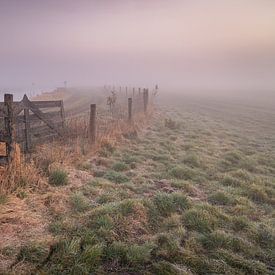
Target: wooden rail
{"x": 33, "y": 122}
{"x": 26, "y": 124}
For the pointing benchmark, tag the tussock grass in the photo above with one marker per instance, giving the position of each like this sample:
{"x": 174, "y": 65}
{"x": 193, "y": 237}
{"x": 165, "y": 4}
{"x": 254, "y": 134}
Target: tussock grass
{"x": 192, "y": 160}
{"x": 221, "y": 198}
{"x": 200, "y": 220}
{"x": 79, "y": 202}
{"x": 3, "y": 199}
{"x": 115, "y": 177}
{"x": 170, "y": 201}
{"x": 181, "y": 172}
{"x": 58, "y": 177}
{"x": 119, "y": 166}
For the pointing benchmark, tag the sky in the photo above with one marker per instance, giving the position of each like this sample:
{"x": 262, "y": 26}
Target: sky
{"x": 187, "y": 44}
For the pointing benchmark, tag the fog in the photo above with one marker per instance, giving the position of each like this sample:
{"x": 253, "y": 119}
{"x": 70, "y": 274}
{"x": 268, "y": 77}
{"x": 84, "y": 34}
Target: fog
{"x": 199, "y": 46}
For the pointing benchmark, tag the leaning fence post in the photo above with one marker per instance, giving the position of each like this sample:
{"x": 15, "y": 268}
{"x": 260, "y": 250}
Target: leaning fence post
{"x": 27, "y": 129}
{"x": 130, "y": 103}
{"x": 9, "y": 127}
{"x": 92, "y": 130}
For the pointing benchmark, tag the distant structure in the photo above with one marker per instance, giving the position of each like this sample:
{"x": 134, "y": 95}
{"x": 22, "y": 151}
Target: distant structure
{"x": 65, "y": 84}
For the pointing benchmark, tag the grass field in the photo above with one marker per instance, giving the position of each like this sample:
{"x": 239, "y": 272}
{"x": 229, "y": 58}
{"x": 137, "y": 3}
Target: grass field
{"x": 193, "y": 193}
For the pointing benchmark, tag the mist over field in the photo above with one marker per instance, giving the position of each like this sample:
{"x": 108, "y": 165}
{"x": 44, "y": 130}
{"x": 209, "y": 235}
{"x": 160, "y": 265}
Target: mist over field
{"x": 137, "y": 137}
{"x": 201, "y": 47}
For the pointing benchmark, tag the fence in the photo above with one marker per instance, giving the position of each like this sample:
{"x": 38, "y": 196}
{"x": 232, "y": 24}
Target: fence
{"x": 29, "y": 123}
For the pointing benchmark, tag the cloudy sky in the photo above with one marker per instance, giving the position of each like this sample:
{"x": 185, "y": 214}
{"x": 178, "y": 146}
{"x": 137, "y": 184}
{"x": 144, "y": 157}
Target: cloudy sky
{"x": 177, "y": 43}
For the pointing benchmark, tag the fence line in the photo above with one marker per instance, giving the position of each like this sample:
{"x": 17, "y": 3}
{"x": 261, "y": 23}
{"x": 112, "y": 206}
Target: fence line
{"x": 29, "y": 123}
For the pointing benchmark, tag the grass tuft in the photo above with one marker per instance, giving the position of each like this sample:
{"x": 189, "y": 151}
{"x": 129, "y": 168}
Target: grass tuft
{"x": 120, "y": 166}
{"x": 79, "y": 202}
{"x": 169, "y": 203}
{"x": 220, "y": 198}
{"x": 3, "y": 199}
{"x": 58, "y": 177}
{"x": 200, "y": 220}
{"x": 183, "y": 173}
{"x": 116, "y": 177}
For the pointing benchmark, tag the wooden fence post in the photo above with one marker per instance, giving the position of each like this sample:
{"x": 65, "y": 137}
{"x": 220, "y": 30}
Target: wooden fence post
{"x": 92, "y": 130}
{"x": 62, "y": 114}
{"x": 147, "y": 97}
{"x": 9, "y": 127}
{"x": 130, "y": 103}
{"x": 144, "y": 101}
{"x": 27, "y": 129}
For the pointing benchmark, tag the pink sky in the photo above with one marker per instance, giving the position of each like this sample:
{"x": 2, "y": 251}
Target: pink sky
{"x": 198, "y": 43}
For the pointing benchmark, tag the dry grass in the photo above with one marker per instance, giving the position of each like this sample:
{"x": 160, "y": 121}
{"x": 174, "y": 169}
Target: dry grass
{"x": 29, "y": 204}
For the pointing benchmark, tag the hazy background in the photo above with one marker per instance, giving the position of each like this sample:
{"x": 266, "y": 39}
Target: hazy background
{"x": 205, "y": 46}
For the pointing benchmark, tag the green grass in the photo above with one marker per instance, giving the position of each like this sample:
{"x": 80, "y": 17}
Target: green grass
{"x": 79, "y": 202}
{"x": 200, "y": 220}
{"x": 221, "y": 198}
{"x": 3, "y": 199}
{"x": 169, "y": 203}
{"x": 192, "y": 196}
{"x": 116, "y": 177}
{"x": 120, "y": 166}
{"x": 58, "y": 178}
{"x": 184, "y": 173}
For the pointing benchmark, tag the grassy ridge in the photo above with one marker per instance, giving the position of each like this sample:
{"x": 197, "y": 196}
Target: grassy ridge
{"x": 192, "y": 196}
